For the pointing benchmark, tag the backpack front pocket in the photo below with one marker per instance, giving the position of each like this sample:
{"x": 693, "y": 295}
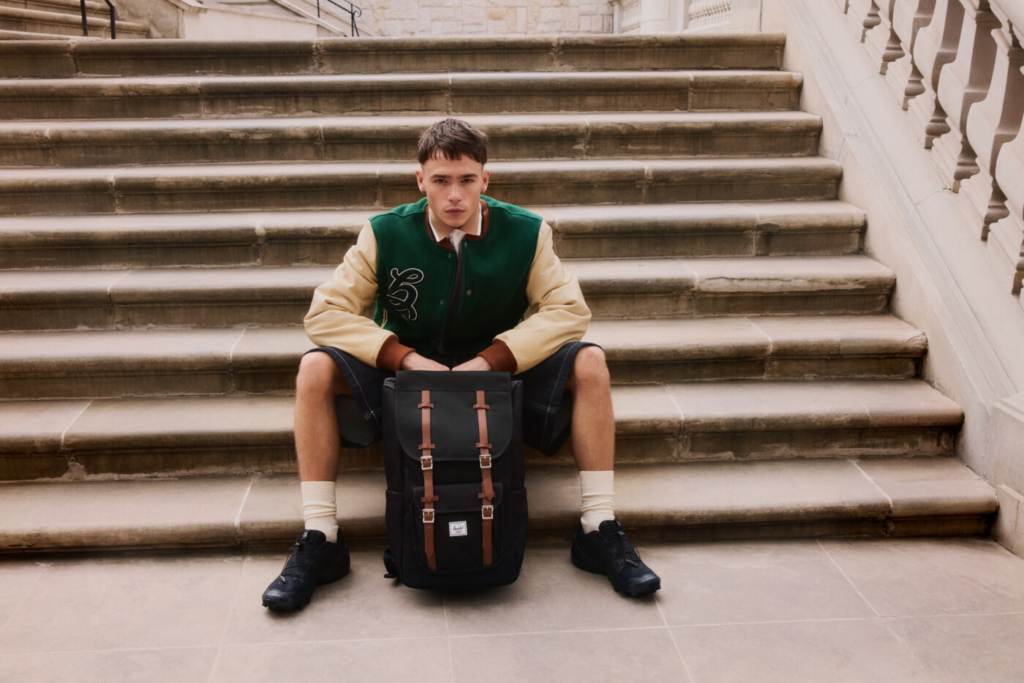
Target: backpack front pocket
{"x": 458, "y": 526}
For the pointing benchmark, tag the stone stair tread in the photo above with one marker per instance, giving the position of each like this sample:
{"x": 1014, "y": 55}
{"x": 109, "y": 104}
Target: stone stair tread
{"x": 82, "y": 351}
{"x": 59, "y": 18}
{"x": 494, "y": 80}
{"x": 513, "y": 136}
{"x": 439, "y": 93}
{"x": 877, "y": 495}
{"x": 272, "y": 186}
{"x": 34, "y": 36}
{"x": 50, "y": 426}
{"x": 173, "y": 226}
{"x": 65, "y": 5}
{"x": 266, "y": 238}
{"x": 402, "y": 171}
{"x": 720, "y": 275}
{"x": 541, "y": 53}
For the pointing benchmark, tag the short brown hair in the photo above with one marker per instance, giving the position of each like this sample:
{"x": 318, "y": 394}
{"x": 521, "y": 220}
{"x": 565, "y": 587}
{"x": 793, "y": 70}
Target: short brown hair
{"x": 453, "y": 139}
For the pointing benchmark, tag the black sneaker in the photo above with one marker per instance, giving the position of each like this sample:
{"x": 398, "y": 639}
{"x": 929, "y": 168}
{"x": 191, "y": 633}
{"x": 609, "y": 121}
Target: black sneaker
{"x": 608, "y": 551}
{"x": 313, "y": 562}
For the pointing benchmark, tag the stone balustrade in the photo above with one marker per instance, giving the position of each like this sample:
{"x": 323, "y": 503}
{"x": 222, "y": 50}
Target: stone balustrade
{"x": 957, "y": 66}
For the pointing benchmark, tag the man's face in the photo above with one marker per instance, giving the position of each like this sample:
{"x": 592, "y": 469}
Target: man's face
{"x": 453, "y": 189}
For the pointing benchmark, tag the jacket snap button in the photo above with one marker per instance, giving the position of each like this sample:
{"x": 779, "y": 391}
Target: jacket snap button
{"x": 469, "y": 292}
{"x": 442, "y": 302}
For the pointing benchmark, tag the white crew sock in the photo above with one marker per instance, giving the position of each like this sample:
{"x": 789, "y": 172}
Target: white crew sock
{"x": 319, "y": 509}
{"x": 598, "y": 492}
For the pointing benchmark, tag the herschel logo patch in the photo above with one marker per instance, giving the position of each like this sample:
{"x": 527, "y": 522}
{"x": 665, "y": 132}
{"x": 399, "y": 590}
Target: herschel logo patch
{"x": 457, "y": 529}
{"x": 402, "y": 295}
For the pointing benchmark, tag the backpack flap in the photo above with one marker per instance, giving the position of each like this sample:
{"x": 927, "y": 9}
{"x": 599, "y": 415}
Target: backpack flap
{"x": 454, "y": 424}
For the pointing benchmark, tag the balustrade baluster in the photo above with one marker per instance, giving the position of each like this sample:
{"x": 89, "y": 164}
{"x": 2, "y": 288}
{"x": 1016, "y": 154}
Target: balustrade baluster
{"x": 903, "y": 76}
{"x": 934, "y": 49}
{"x": 993, "y": 122}
{"x": 862, "y": 16}
{"x": 881, "y": 41}
{"x": 962, "y": 83}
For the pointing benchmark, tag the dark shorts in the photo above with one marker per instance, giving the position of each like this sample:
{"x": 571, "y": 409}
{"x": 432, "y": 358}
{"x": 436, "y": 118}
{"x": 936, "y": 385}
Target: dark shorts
{"x": 547, "y": 406}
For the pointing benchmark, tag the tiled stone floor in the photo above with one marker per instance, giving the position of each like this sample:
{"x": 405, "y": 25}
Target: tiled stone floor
{"x": 943, "y": 610}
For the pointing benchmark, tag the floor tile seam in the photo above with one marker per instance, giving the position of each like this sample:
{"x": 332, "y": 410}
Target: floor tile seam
{"x": 778, "y": 622}
{"x": 558, "y": 632}
{"x": 958, "y": 615}
{"x": 845, "y": 576}
{"x": 10, "y": 618}
{"x": 231, "y": 610}
{"x": 917, "y": 660}
{"x": 448, "y": 639}
{"x": 214, "y": 647}
{"x": 672, "y": 637}
{"x": 867, "y": 476}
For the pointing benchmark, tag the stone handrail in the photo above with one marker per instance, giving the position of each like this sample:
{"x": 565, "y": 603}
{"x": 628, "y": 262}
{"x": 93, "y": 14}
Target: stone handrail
{"x": 957, "y": 66}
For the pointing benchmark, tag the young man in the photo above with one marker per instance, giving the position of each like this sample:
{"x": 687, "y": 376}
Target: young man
{"x": 456, "y": 282}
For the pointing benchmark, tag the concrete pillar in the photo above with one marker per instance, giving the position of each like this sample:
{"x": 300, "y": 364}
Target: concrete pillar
{"x": 962, "y": 83}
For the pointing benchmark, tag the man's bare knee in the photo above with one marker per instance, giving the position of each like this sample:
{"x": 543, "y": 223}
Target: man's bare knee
{"x": 590, "y": 369}
{"x": 319, "y": 375}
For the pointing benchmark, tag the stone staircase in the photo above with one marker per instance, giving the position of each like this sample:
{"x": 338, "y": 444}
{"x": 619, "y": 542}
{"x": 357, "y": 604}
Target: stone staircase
{"x": 167, "y": 208}
{"x": 60, "y": 20}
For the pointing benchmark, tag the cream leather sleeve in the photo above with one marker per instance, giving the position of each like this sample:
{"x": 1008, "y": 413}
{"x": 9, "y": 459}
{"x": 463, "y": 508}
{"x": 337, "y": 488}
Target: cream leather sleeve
{"x": 557, "y": 313}
{"x": 336, "y": 317}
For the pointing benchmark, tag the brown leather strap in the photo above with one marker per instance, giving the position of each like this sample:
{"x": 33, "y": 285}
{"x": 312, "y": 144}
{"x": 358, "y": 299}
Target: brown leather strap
{"x": 427, "y": 463}
{"x": 486, "y": 509}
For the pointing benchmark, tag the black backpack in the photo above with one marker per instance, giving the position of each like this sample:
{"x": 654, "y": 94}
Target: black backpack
{"x": 453, "y": 455}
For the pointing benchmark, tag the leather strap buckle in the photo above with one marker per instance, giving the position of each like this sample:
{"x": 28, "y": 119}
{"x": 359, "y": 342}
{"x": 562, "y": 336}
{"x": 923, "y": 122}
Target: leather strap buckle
{"x": 485, "y": 462}
{"x": 428, "y": 516}
{"x": 487, "y": 512}
{"x": 427, "y": 462}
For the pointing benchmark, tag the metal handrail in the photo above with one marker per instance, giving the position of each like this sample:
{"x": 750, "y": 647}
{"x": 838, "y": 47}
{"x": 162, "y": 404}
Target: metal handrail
{"x": 353, "y": 12}
{"x": 113, "y": 20}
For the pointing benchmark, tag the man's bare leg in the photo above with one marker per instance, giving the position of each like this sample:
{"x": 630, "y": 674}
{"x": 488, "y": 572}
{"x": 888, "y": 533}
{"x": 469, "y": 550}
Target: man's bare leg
{"x": 600, "y": 544}
{"x": 317, "y": 444}
{"x": 315, "y": 559}
{"x": 593, "y": 423}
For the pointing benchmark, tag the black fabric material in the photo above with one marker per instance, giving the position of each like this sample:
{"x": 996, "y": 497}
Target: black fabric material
{"x": 547, "y": 406}
{"x": 458, "y": 519}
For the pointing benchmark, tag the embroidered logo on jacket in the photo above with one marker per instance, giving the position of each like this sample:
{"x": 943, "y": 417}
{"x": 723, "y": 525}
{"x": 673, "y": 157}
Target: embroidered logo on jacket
{"x": 402, "y": 295}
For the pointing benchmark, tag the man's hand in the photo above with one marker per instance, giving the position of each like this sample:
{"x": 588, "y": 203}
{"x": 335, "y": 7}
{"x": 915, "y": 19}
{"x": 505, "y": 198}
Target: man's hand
{"x": 477, "y": 363}
{"x": 415, "y": 361}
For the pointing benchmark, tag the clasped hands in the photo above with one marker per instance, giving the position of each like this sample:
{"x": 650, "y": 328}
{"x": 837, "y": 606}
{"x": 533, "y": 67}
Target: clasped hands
{"x": 415, "y": 361}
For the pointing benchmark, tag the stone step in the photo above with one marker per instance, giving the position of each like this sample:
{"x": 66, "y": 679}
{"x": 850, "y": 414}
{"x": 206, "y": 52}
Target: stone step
{"x": 379, "y": 138}
{"x": 94, "y": 8}
{"x": 202, "y": 97}
{"x": 397, "y": 55}
{"x": 624, "y": 289}
{"x": 791, "y": 498}
{"x": 29, "y": 36}
{"x": 322, "y": 237}
{"x": 680, "y": 422}
{"x": 155, "y": 362}
{"x": 59, "y": 23}
{"x": 254, "y": 187}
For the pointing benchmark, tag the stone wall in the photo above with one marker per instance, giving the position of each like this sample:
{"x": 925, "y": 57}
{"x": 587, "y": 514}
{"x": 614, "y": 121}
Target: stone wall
{"x": 486, "y": 17}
